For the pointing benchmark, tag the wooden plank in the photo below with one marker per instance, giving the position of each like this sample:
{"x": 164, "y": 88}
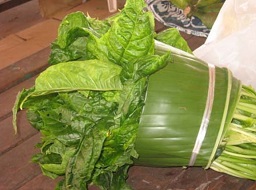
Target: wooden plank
{"x": 8, "y": 139}
{"x": 44, "y": 182}
{"x": 195, "y": 42}
{"x": 16, "y": 53}
{"x": 159, "y": 26}
{"x": 8, "y": 97}
{"x": 50, "y": 7}
{"x": 19, "y": 18}
{"x": 178, "y": 178}
{"x": 42, "y": 33}
{"x": 253, "y": 187}
{"x": 16, "y": 167}
{"x": 11, "y": 3}
{"x": 23, "y": 69}
{"x": 94, "y": 8}
{"x": 9, "y": 42}
{"x": 35, "y": 38}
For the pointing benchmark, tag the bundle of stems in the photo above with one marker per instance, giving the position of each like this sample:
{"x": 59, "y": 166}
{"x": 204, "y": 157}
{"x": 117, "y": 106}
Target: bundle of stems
{"x": 238, "y": 157}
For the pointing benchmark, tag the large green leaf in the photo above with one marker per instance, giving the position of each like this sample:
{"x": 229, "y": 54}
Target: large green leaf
{"x": 130, "y": 37}
{"x": 81, "y": 166}
{"x": 172, "y": 37}
{"x": 79, "y": 75}
{"x": 56, "y": 159}
{"x": 75, "y": 33}
{"x": 70, "y": 22}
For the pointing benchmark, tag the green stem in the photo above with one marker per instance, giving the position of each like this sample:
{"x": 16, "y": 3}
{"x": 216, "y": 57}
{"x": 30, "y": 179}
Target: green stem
{"x": 234, "y": 170}
{"x": 247, "y": 107}
{"x": 237, "y": 160}
{"x": 239, "y": 156}
{"x": 245, "y": 132}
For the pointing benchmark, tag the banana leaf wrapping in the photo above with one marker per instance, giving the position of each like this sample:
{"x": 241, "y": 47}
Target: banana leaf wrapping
{"x": 174, "y": 110}
{"x": 173, "y": 118}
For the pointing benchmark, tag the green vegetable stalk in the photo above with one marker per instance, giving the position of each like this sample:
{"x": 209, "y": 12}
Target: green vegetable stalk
{"x": 238, "y": 157}
{"x": 93, "y": 104}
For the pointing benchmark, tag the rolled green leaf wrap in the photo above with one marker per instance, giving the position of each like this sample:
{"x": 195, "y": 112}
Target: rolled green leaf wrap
{"x": 174, "y": 108}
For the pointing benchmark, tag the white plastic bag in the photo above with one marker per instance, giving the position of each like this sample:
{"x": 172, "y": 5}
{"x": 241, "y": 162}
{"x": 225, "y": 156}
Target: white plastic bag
{"x": 232, "y": 40}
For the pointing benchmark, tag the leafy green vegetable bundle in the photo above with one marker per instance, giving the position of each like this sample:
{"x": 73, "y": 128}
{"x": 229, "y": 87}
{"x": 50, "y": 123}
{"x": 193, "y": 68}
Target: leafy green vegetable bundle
{"x": 115, "y": 96}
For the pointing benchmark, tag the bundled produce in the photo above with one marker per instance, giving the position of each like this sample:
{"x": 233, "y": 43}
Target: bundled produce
{"x": 113, "y": 89}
